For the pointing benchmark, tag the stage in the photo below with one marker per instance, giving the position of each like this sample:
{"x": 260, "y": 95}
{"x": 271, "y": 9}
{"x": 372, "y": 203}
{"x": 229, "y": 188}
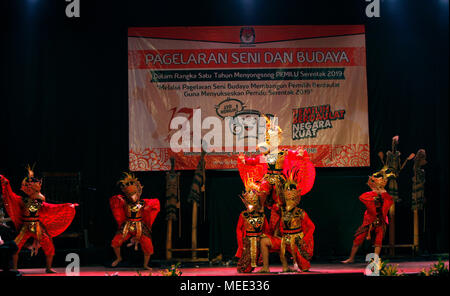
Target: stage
{"x": 327, "y": 269}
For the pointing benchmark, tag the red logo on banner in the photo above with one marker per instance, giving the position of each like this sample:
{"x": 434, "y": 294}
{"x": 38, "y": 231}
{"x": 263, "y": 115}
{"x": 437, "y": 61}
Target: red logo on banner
{"x": 247, "y": 35}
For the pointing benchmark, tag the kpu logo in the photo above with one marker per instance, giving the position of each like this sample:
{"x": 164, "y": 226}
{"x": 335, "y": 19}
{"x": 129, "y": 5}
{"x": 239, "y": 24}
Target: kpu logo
{"x": 247, "y": 36}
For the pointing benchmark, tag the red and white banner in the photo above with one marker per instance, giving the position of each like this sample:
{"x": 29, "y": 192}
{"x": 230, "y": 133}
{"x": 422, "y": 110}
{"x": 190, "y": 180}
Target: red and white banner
{"x": 312, "y": 78}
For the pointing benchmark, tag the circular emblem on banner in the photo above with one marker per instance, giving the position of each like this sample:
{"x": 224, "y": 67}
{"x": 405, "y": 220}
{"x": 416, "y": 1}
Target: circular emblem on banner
{"x": 247, "y": 35}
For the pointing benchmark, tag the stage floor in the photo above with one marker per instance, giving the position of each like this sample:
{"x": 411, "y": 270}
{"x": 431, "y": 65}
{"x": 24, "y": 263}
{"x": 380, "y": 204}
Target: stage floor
{"x": 407, "y": 267}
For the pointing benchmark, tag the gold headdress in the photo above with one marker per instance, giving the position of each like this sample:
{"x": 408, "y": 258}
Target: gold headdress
{"x": 254, "y": 195}
{"x": 30, "y": 170}
{"x": 378, "y": 180}
{"x": 30, "y": 183}
{"x": 130, "y": 185}
{"x": 270, "y": 124}
{"x": 290, "y": 192}
{"x": 30, "y": 176}
{"x": 249, "y": 185}
{"x": 272, "y": 135}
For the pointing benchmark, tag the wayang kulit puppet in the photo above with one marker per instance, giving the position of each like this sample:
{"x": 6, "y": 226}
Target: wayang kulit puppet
{"x": 134, "y": 217}
{"x": 34, "y": 218}
{"x": 393, "y": 162}
{"x": 418, "y": 193}
{"x": 418, "y": 180}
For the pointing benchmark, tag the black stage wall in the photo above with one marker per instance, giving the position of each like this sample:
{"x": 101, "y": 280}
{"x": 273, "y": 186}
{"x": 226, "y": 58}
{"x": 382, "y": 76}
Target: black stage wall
{"x": 64, "y": 106}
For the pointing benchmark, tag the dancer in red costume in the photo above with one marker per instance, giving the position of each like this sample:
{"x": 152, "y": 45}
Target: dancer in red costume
{"x": 34, "y": 218}
{"x": 252, "y": 222}
{"x": 378, "y": 202}
{"x": 134, "y": 217}
{"x": 295, "y": 226}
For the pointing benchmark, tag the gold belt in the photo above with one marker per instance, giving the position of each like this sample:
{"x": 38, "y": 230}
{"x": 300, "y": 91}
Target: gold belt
{"x": 133, "y": 226}
{"x": 29, "y": 226}
{"x": 253, "y": 250}
{"x": 289, "y": 239}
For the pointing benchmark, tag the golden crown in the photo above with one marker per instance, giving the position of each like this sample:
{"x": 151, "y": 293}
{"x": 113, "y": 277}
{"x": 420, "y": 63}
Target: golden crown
{"x": 250, "y": 185}
{"x": 270, "y": 125}
{"x": 127, "y": 180}
{"x": 253, "y": 192}
{"x": 384, "y": 173}
{"x": 30, "y": 175}
{"x": 378, "y": 180}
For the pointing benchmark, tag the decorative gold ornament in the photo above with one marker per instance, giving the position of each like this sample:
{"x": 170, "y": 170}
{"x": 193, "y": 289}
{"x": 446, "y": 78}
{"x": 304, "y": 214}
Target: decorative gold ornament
{"x": 378, "y": 180}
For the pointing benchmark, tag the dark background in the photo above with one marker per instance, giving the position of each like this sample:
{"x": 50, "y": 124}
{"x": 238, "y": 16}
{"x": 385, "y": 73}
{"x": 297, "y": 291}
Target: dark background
{"x": 64, "y": 106}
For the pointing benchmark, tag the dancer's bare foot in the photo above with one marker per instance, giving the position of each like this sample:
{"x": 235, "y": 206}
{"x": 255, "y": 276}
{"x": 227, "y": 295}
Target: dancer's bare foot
{"x": 114, "y": 264}
{"x": 288, "y": 269}
{"x": 264, "y": 270}
{"x": 147, "y": 267}
{"x": 348, "y": 261}
{"x": 49, "y": 270}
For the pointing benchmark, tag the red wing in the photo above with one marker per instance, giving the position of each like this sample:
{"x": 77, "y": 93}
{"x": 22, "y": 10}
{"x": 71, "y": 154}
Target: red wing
{"x": 151, "y": 210}
{"x": 56, "y": 217}
{"x": 117, "y": 205}
{"x": 306, "y": 171}
{"x": 13, "y": 204}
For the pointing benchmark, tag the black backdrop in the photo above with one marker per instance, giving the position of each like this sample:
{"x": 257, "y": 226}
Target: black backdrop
{"x": 64, "y": 106}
